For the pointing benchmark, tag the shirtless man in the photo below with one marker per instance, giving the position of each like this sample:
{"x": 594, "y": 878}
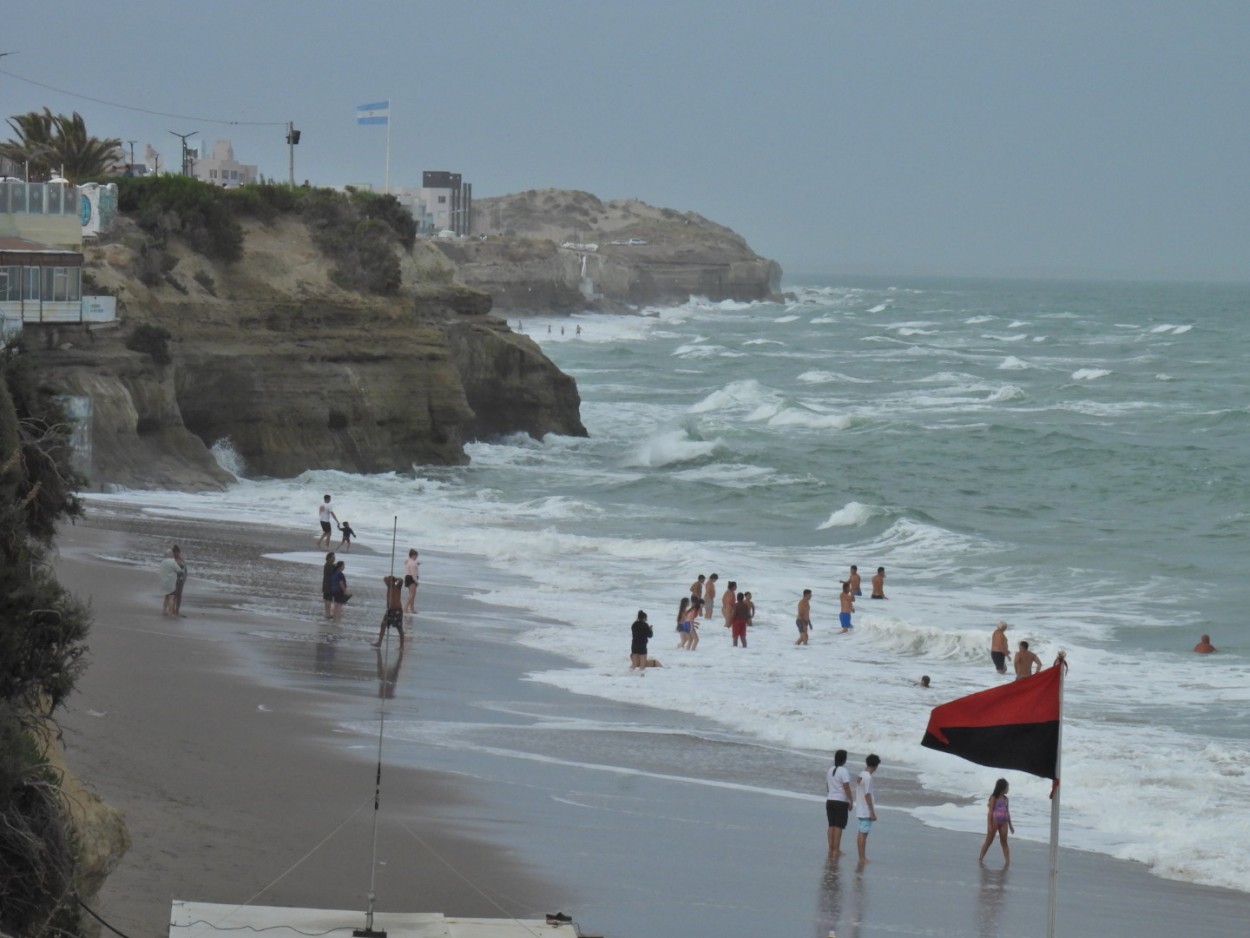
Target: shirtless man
{"x": 1204, "y": 647}
{"x": 750, "y": 610}
{"x": 727, "y": 602}
{"x": 394, "y": 617}
{"x": 853, "y": 579}
{"x": 847, "y": 601}
{"x": 709, "y": 595}
{"x": 697, "y": 587}
{"x": 1027, "y": 664}
{"x": 998, "y": 647}
{"x": 878, "y": 584}
{"x": 803, "y": 617}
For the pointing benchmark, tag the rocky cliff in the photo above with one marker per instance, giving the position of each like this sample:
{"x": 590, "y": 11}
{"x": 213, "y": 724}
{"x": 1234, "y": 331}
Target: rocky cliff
{"x": 293, "y": 371}
{"x": 555, "y": 250}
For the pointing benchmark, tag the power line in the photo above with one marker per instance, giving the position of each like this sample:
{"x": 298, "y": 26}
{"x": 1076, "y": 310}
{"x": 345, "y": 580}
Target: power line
{"x": 143, "y": 110}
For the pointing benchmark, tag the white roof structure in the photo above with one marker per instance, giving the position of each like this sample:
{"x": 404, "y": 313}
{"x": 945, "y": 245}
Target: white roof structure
{"x": 204, "y": 919}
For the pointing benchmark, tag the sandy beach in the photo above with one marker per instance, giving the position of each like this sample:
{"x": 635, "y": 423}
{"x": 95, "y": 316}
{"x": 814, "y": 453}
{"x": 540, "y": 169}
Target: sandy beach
{"x": 241, "y": 742}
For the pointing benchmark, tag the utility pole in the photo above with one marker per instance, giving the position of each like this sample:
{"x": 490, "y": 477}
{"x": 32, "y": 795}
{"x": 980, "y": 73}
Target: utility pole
{"x": 131, "y": 167}
{"x": 292, "y": 138}
{"x": 185, "y": 149}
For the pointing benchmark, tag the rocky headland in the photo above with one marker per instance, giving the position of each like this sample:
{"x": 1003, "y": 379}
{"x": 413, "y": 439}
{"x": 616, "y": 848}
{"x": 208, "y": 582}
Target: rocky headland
{"x": 558, "y": 250}
{"x": 274, "y": 351}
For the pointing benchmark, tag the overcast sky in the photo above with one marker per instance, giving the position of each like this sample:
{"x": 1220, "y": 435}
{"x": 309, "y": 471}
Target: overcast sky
{"x": 1087, "y": 138}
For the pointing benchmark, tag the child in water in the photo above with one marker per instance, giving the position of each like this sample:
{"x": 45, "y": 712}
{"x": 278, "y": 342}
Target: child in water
{"x": 348, "y": 534}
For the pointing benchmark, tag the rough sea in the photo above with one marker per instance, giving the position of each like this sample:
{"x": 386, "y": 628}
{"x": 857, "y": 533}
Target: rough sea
{"x": 1070, "y": 457}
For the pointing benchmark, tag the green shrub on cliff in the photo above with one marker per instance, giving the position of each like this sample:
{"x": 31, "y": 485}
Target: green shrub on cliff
{"x": 43, "y": 632}
{"x": 179, "y": 205}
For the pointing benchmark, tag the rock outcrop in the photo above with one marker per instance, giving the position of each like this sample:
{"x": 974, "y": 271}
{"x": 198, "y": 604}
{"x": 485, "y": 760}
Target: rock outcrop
{"x": 555, "y": 250}
{"x": 296, "y": 373}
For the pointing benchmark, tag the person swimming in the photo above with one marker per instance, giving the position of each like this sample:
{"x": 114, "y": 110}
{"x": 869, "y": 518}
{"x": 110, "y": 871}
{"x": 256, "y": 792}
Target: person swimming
{"x": 1204, "y": 647}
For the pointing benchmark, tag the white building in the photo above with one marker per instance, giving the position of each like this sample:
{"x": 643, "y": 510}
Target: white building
{"x": 222, "y": 169}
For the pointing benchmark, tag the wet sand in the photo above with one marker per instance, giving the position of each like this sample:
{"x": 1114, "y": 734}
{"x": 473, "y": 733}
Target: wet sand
{"x": 238, "y": 742}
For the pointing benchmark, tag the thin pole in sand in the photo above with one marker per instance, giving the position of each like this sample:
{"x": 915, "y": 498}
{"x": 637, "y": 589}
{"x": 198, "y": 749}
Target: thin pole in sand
{"x": 367, "y": 931}
{"x": 1062, "y": 665}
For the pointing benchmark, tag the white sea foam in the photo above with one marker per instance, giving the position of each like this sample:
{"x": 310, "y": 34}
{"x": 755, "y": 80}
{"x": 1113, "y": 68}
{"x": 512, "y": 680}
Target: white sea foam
{"x": 880, "y": 308}
{"x": 784, "y": 319}
{"x": 1011, "y": 363}
{"x": 669, "y": 447}
{"x": 852, "y": 514}
{"x": 1089, "y": 374}
{"x": 227, "y": 457}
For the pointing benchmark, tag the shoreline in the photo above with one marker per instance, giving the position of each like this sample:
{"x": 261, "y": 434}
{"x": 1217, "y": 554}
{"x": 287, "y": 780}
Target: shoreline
{"x": 225, "y": 739}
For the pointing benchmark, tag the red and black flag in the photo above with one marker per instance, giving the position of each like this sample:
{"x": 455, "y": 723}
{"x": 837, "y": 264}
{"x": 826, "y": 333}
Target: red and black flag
{"x": 1015, "y": 726}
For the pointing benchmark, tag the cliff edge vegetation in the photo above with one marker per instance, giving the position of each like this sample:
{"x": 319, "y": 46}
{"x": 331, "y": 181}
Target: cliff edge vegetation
{"x": 306, "y": 328}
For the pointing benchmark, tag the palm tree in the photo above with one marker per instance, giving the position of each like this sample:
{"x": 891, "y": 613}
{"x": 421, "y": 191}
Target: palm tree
{"x": 47, "y": 142}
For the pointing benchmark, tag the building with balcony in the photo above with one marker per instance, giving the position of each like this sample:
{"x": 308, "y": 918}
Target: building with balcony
{"x": 222, "y": 169}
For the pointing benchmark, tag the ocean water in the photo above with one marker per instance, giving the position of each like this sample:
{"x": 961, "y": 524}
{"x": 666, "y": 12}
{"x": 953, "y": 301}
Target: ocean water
{"x": 1068, "y": 457}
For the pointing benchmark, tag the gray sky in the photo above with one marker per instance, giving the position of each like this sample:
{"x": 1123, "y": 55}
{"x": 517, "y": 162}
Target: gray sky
{"x": 999, "y": 138}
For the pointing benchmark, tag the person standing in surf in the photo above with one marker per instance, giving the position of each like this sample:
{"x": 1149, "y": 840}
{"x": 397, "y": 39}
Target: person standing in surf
{"x": 998, "y": 821}
{"x": 847, "y": 605}
{"x": 998, "y": 647}
{"x": 709, "y": 595}
{"x": 803, "y": 622}
{"x": 739, "y": 619}
{"x": 640, "y": 632}
{"x": 1026, "y": 663}
{"x": 878, "y": 584}
{"x": 853, "y": 579}
{"x": 727, "y": 600}
{"x": 683, "y": 621}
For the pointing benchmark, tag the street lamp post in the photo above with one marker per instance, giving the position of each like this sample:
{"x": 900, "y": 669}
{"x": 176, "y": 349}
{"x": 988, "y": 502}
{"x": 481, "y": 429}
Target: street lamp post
{"x": 185, "y": 149}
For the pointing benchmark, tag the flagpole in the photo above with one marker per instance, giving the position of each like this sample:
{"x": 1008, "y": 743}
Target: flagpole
{"x": 1062, "y": 664}
{"x": 387, "y": 189}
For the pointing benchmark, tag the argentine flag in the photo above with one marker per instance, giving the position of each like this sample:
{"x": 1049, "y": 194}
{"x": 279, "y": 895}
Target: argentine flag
{"x": 379, "y": 112}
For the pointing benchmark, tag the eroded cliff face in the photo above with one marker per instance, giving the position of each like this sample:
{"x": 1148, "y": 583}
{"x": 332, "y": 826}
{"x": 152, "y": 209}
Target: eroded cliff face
{"x": 296, "y": 373}
{"x": 555, "y": 250}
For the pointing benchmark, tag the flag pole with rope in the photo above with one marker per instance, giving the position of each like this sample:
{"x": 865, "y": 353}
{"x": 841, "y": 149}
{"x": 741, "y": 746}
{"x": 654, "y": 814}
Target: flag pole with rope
{"x": 367, "y": 931}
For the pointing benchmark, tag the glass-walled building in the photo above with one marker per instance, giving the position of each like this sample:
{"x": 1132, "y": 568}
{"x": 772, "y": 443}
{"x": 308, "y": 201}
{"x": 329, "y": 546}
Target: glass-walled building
{"x": 46, "y": 212}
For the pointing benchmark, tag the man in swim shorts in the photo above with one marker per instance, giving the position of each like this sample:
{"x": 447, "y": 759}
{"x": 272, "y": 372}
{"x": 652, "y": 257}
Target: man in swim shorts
{"x": 865, "y": 806}
{"x": 394, "y": 617}
{"x": 878, "y": 584}
{"x": 853, "y": 579}
{"x": 803, "y": 622}
{"x": 740, "y": 616}
{"x": 998, "y": 647}
{"x": 847, "y": 606}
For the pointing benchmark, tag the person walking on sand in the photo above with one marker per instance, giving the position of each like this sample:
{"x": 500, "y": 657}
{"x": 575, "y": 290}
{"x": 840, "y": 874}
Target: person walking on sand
{"x": 394, "y": 616}
{"x": 412, "y": 579}
{"x": 640, "y": 632}
{"x": 181, "y": 581}
{"x": 709, "y": 595}
{"x": 847, "y": 606}
{"x": 878, "y": 584}
{"x": 998, "y": 646}
{"x": 998, "y": 821}
{"x": 865, "y": 805}
{"x": 1026, "y": 663}
{"x": 169, "y": 582}
{"x": 325, "y": 516}
{"x": 838, "y": 800}
{"x": 853, "y": 579}
{"x": 327, "y": 587}
{"x": 803, "y": 622}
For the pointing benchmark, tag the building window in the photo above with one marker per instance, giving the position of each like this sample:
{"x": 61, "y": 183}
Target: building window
{"x": 442, "y": 200}
{"x": 10, "y": 283}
